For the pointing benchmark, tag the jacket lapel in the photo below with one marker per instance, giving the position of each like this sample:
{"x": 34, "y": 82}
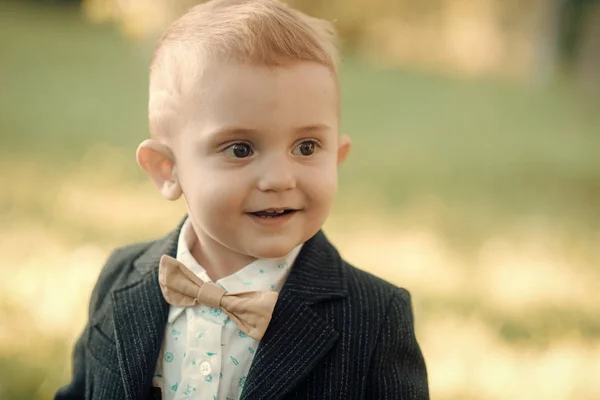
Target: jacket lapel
{"x": 297, "y": 337}
{"x": 140, "y": 313}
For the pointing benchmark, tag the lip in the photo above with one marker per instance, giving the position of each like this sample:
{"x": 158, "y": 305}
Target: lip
{"x": 273, "y": 222}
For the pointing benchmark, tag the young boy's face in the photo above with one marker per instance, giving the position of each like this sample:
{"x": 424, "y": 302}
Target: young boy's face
{"x": 257, "y": 159}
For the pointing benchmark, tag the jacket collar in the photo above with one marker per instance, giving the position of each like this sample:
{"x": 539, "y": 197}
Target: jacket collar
{"x": 295, "y": 341}
{"x": 298, "y": 337}
{"x": 140, "y": 313}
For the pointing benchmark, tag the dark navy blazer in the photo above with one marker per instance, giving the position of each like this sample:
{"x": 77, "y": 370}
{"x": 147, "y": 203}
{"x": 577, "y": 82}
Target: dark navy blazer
{"x": 337, "y": 332}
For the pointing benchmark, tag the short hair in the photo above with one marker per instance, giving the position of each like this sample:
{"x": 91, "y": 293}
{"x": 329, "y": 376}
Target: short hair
{"x": 258, "y": 32}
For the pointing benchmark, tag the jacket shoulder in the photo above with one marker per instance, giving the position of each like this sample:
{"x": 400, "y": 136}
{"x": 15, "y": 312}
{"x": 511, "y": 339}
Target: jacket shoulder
{"x": 116, "y": 268}
{"x": 373, "y": 289}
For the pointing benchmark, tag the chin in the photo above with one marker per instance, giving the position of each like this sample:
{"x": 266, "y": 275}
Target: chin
{"x": 274, "y": 250}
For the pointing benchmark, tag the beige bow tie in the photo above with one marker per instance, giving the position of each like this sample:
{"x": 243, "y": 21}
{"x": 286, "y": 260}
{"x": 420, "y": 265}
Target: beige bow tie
{"x": 251, "y": 311}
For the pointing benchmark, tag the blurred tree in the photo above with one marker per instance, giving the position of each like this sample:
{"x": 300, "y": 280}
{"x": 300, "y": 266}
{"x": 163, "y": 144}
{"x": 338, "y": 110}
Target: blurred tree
{"x": 579, "y": 40}
{"x": 514, "y": 37}
{"x": 56, "y": 1}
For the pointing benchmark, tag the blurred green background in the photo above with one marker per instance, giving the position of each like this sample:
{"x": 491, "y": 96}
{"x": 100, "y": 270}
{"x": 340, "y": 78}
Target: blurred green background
{"x": 474, "y": 179}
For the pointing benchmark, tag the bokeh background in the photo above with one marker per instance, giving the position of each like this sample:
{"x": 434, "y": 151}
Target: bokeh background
{"x": 474, "y": 179}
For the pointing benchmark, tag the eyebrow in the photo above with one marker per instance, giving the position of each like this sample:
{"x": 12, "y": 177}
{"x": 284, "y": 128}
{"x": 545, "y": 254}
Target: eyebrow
{"x": 313, "y": 128}
{"x": 228, "y": 132}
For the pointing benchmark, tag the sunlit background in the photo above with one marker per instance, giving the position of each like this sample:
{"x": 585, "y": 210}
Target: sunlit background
{"x": 474, "y": 179}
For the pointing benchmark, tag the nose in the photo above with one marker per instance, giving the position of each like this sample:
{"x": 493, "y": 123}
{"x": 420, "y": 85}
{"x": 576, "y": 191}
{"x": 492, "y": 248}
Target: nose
{"x": 277, "y": 176}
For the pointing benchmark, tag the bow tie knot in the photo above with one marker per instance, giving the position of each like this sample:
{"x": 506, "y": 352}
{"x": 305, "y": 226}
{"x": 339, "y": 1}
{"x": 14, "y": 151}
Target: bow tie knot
{"x": 251, "y": 311}
{"x": 210, "y": 294}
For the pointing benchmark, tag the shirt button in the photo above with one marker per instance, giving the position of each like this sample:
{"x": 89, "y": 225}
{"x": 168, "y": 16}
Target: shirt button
{"x": 205, "y": 368}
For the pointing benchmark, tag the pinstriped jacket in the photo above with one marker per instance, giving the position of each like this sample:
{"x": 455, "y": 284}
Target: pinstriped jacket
{"x": 336, "y": 333}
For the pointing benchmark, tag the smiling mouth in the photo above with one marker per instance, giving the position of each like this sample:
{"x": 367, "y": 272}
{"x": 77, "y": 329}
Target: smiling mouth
{"x": 273, "y": 212}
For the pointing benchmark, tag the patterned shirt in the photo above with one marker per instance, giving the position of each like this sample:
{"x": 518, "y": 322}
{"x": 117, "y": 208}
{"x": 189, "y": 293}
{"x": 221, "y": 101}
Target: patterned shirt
{"x": 205, "y": 356}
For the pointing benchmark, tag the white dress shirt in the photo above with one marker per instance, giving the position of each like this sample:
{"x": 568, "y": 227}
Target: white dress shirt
{"x": 205, "y": 356}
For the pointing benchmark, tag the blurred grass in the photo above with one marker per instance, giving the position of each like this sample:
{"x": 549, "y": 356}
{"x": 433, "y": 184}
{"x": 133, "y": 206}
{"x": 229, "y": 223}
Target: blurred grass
{"x": 480, "y": 196}
{"x": 481, "y": 146}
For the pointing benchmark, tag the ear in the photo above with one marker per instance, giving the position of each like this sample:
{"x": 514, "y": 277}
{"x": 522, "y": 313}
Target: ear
{"x": 157, "y": 160}
{"x": 344, "y": 144}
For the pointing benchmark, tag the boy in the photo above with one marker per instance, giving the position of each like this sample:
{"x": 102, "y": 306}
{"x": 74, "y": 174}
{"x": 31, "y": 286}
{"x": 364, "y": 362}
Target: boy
{"x": 246, "y": 298}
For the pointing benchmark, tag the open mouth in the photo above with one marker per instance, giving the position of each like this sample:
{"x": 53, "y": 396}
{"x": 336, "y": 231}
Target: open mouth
{"x": 273, "y": 213}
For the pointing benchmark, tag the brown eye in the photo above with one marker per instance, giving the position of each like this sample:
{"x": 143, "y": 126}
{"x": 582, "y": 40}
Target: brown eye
{"x": 239, "y": 150}
{"x": 306, "y": 148}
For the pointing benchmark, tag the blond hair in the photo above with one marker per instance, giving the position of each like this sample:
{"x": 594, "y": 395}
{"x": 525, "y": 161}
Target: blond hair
{"x": 259, "y": 32}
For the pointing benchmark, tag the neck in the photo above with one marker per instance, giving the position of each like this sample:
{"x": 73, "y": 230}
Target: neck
{"x": 216, "y": 259}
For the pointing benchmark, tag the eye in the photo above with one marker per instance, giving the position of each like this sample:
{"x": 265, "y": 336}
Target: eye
{"x": 306, "y": 148}
{"x": 239, "y": 150}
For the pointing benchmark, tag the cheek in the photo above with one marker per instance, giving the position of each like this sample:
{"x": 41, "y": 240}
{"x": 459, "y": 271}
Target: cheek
{"x": 321, "y": 187}
{"x": 223, "y": 194}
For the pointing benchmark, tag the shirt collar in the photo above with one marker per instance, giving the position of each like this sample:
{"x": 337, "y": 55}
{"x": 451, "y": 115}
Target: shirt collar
{"x": 260, "y": 275}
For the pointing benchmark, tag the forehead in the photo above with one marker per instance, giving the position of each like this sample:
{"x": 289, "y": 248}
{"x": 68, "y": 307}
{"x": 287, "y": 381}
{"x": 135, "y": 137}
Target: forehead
{"x": 257, "y": 96}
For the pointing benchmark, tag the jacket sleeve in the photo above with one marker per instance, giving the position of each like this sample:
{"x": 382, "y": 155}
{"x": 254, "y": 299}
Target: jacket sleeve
{"x": 76, "y": 388}
{"x": 398, "y": 368}
{"x": 108, "y": 276}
